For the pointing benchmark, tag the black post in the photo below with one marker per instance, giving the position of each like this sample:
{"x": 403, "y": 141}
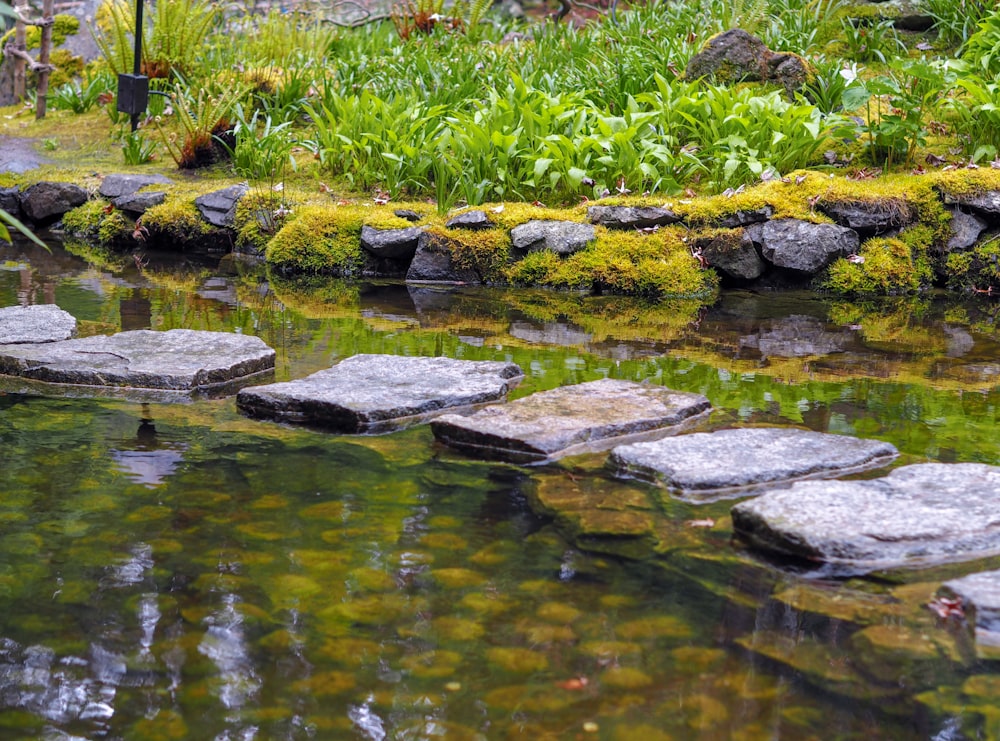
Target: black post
{"x": 137, "y": 61}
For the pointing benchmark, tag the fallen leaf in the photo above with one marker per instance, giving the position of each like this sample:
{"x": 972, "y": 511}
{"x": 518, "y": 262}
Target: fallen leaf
{"x": 707, "y": 522}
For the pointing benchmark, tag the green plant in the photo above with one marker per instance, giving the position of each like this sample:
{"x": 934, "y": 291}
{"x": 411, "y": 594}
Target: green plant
{"x": 869, "y": 42}
{"x": 826, "y": 88}
{"x": 137, "y": 149}
{"x": 6, "y": 220}
{"x": 173, "y": 35}
{"x": 799, "y": 25}
{"x": 81, "y": 97}
{"x": 201, "y": 119}
{"x": 897, "y": 106}
{"x": 983, "y": 48}
{"x": 746, "y": 14}
{"x": 956, "y": 20}
{"x": 50, "y": 144}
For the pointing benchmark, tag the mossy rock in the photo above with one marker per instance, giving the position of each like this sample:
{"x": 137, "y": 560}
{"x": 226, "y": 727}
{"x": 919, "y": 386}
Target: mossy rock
{"x": 318, "y": 240}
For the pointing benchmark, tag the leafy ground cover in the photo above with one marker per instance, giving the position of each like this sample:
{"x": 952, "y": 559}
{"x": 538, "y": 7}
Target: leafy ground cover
{"x": 457, "y": 106}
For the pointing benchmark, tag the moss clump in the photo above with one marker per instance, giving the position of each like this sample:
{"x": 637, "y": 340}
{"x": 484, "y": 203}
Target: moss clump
{"x": 175, "y": 221}
{"x": 655, "y": 265}
{"x": 98, "y": 221}
{"x": 887, "y": 265}
{"x": 319, "y": 240}
{"x": 259, "y": 216}
{"x": 63, "y": 25}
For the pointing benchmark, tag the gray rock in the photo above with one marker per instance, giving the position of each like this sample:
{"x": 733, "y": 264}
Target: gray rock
{"x": 738, "y": 261}
{"x": 569, "y": 420}
{"x": 218, "y": 208}
{"x": 378, "y": 393}
{"x": 737, "y": 56}
{"x": 470, "y": 220}
{"x": 118, "y": 185}
{"x": 803, "y": 246}
{"x": 561, "y": 237}
{"x": 708, "y": 466}
{"x": 870, "y": 219}
{"x": 408, "y": 214}
{"x": 180, "y": 359}
{"x": 433, "y": 263}
{"x": 10, "y": 201}
{"x": 45, "y": 201}
{"x": 915, "y": 516}
{"x": 31, "y": 324}
{"x": 631, "y": 217}
{"x": 746, "y": 217}
{"x": 390, "y": 244}
{"x": 980, "y": 594}
{"x": 986, "y": 203}
{"x": 965, "y": 230}
{"x": 139, "y": 203}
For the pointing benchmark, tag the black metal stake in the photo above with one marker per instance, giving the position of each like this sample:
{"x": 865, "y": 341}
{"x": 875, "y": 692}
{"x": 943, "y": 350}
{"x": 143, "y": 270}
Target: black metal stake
{"x": 137, "y": 61}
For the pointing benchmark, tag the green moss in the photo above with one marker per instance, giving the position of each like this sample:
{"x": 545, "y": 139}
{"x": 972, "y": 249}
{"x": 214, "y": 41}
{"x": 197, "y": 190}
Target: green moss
{"x": 177, "y": 220}
{"x": 259, "y": 216}
{"x": 63, "y": 25}
{"x": 657, "y": 265}
{"x": 319, "y": 239}
{"x": 97, "y": 221}
{"x": 890, "y": 266}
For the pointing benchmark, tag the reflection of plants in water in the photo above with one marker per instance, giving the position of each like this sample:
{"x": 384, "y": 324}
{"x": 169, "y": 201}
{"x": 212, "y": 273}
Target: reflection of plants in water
{"x": 898, "y": 325}
{"x": 316, "y": 297}
{"x": 100, "y": 257}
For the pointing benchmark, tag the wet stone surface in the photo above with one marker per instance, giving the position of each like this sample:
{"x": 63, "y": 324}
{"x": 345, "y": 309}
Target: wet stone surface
{"x": 379, "y": 393}
{"x": 916, "y": 516}
{"x": 569, "y": 420}
{"x": 980, "y": 594}
{"x": 177, "y": 360}
{"x": 35, "y": 324}
{"x": 708, "y": 466}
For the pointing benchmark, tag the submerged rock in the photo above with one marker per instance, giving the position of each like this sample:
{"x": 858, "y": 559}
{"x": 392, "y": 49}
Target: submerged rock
{"x": 916, "y": 515}
{"x": 178, "y": 360}
{"x": 33, "y": 324}
{"x": 568, "y": 420}
{"x": 708, "y": 466}
{"x": 377, "y": 393}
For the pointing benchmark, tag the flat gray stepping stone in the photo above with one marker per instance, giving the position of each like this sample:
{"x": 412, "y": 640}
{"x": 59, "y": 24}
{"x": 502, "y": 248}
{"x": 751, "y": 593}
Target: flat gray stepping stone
{"x": 33, "y": 324}
{"x": 980, "y": 595}
{"x": 177, "y": 360}
{"x": 917, "y": 515}
{"x": 569, "y": 420}
{"x": 707, "y": 466}
{"x": 379, "y": 393}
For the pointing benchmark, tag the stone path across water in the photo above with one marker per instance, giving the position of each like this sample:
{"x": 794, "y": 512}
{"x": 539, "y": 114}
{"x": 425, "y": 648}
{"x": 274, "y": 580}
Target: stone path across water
{"x": 916, "y": 516}
{"x": 379, "y": 393}
{"x": 569, "y": 420}
{"x": 708, "y": 466}
{"x": 175, "y": 360}
{"x": 35, "y": 324}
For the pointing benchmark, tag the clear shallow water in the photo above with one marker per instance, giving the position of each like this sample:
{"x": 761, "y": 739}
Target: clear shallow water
{"x": 178, "y": 571}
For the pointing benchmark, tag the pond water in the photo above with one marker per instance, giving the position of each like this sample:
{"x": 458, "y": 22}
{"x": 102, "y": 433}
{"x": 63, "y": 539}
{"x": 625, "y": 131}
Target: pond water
{"x": 172, "y": 571}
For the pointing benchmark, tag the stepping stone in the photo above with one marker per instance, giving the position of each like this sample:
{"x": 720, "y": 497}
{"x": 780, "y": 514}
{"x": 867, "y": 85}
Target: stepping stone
{"x": 380, "y": 393}
{"x": 177, "y": 360}
{"x": 980, "y": 595}
{"x": 915, "y": 516}
{"x": 569, "y": 420}
{"x": 34, "y": 324}
{"x": 710, "y": 466}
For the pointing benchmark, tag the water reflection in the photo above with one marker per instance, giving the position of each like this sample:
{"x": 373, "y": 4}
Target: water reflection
{"x": 182, "y": 572}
